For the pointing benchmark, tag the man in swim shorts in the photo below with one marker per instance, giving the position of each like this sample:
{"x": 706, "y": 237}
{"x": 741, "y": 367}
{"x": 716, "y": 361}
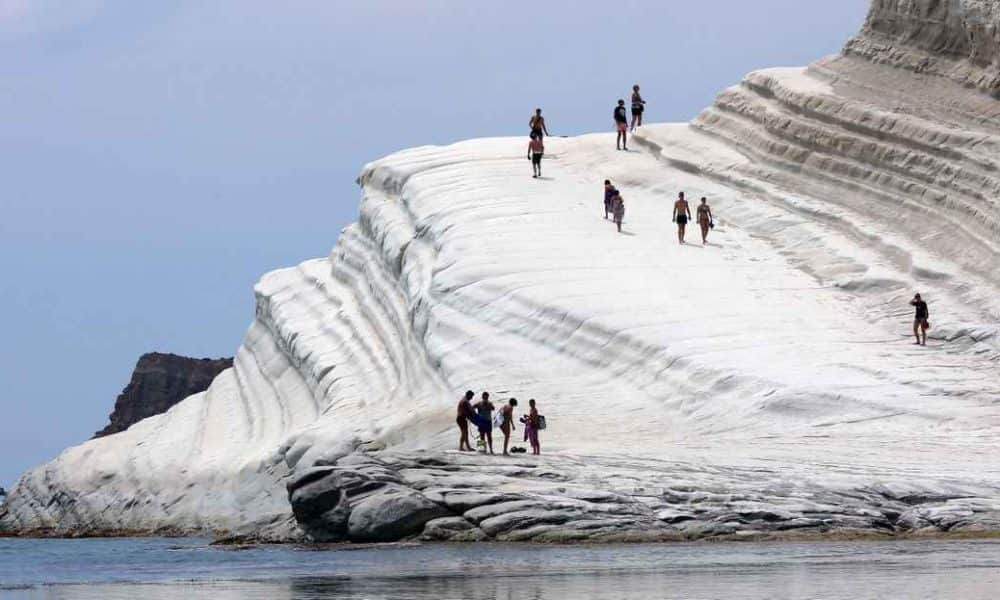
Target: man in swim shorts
{"x": 609, "y": 193}
{"x": 621, "y": 125}
{"x": 507, "y": 425}
{"x": 920, "y": 320}
{"x": 535, "y": 151}
{"x": 462, "y": 419}
{"x": 484, "y": 413}
{"x": 682, "y": 214}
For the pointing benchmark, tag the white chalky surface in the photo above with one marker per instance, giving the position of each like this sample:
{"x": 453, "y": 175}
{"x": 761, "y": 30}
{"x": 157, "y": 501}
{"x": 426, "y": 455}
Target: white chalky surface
{"x": 782, "y": 347}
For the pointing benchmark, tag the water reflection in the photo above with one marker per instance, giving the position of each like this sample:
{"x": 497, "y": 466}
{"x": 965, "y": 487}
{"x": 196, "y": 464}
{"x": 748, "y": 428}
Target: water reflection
{"x": 832, "y": 571}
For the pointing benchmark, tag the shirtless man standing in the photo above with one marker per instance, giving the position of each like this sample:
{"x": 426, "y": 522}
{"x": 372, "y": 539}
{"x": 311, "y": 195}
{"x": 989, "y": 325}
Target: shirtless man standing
{"x": 682, "y": 214}
{"x": 537, "y": 124}
{"x": 462, "y": 419}
{"x": 704, "y": 220}
{"x": 507, "y": 425}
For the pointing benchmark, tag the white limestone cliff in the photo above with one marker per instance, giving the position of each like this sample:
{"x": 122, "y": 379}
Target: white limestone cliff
{"x": 762, "y": 385}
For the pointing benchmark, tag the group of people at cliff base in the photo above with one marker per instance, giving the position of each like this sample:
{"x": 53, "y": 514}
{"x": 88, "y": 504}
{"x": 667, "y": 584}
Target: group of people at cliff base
{"x": 615, "y": 206}
{"x": 484, "y": 416}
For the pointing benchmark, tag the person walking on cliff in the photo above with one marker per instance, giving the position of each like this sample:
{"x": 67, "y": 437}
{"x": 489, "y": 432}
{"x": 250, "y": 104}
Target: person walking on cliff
{"x": 682, "y": 214}
{"x": 609, "y": 193}
{"x": 705, "y": 220}
{"x": 507, "y": 423}
{"x": 618, "y": 209}
{"x": 621, "y": 125}
{"x": 484, "y": 413}
{"x": 638, "y": 105}
{"x": 920, "y": 320}
{"x": 465, "y": 413}
{"x": 537, "y": 124}
{"x": 535, "y": 151}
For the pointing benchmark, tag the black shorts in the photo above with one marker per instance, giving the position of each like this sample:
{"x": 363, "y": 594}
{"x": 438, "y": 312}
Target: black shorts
{"x": 536, "y": 131}
{"x": 682, "y": 219}
{"x": 536, "y": 158}
{"x": 637, "y": 110}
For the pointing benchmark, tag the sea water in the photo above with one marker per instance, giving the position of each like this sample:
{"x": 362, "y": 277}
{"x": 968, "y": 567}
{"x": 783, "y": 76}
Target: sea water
{"x": 153, "y": 568}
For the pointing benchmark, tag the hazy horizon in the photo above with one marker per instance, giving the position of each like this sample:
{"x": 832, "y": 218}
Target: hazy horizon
{"x": 159, "y": 157}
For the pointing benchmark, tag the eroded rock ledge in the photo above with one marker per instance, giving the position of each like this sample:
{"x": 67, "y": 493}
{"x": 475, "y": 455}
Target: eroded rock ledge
{"x": 436, "y": 497}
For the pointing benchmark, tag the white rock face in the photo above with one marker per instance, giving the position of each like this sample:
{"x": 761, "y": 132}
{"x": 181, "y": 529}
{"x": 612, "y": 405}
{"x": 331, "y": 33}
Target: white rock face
{"x": 763, "y": 384}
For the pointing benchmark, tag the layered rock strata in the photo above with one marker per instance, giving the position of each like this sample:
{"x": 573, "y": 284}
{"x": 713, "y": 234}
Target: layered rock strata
{"x": 762, "y": 385}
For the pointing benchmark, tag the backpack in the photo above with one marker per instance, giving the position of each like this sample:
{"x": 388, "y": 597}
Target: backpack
{"x": 541, "y": 422}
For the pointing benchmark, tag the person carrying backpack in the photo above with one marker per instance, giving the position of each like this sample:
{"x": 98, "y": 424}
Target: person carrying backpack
{"x": 621, "y": 124}
{"x": 531, "y": 427}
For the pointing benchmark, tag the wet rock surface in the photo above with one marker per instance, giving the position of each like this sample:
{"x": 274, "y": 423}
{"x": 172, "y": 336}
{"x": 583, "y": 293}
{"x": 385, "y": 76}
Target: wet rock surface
{"x": 388, "y": 497}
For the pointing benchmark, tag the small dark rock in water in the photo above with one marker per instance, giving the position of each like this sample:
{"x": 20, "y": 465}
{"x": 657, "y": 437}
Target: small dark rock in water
{"x": 158, "y": 382}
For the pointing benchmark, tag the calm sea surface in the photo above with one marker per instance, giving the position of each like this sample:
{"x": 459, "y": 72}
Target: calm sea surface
{"x": 152, "y": 568}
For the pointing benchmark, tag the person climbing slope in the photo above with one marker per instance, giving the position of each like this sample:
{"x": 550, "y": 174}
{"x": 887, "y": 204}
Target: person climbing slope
{"x": 682, "y": 214}
{"x": 618, "y": 209}
{"x": 920, "y": 320}
{"x": 537, "y": 124}
{"x": 464, "y": 413}
{"x": 535, "y": 151}
{"x": 621, "y": 125}
{"x": 638, "y": 106}
{"x": 609, "y": 193}
{"x": 705, "y": 219}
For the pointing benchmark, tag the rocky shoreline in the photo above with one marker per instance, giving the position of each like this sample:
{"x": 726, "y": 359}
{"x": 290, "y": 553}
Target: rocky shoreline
{"x": 385, "y": 497}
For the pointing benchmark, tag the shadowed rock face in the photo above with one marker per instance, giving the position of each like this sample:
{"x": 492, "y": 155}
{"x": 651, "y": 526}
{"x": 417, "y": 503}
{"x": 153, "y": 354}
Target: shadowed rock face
{"x": 158, "y": 382}
{"x": 958, "y": 39}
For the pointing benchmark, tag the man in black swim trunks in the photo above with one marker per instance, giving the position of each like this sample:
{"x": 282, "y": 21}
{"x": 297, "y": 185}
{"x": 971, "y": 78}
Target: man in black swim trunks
{"x": 682, "y": 214}
{"x": 920, "y": 323}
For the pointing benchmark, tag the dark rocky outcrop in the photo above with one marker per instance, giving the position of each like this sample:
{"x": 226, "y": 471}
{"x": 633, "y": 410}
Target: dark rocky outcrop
{"x": 158, "y": 382}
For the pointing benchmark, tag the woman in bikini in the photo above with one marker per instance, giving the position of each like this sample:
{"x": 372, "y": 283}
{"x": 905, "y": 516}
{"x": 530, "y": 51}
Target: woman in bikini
{"x": 704, "y": 220}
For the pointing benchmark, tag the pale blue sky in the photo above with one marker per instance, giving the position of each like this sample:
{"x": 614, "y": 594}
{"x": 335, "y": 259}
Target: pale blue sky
{"x": 159, "y": 156}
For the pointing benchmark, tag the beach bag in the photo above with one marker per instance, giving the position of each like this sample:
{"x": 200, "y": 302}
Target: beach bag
{"x": 498, "y": 419}
{"x": 541, "y": 422}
